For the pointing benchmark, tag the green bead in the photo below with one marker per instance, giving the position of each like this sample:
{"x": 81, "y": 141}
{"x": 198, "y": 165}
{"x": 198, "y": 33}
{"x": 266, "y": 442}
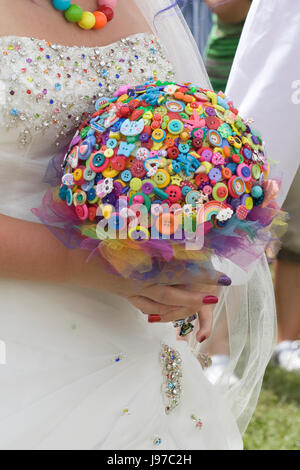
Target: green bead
{"x": 74, "y": 14}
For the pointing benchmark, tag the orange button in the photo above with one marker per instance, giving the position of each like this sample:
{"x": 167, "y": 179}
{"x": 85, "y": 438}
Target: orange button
{"x": 167, "y": 224}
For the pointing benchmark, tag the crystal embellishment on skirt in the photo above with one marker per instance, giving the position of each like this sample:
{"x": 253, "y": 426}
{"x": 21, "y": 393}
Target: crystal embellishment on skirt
{"x": 198, "y": 422}
{"x": 172, "y": 377}
{"x": 205, "y": 360}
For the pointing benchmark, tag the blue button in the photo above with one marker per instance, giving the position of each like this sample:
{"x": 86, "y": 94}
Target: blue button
{"x": 126, "y": 176}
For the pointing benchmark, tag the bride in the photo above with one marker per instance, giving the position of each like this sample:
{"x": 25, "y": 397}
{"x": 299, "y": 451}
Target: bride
{"x": 87, "y": 353}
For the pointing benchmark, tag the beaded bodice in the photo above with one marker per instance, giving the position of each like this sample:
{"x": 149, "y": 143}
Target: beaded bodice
{"x": 47, "y": 89}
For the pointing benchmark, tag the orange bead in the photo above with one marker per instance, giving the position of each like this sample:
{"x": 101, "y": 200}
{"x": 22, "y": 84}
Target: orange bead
{"x": 101, "y": 20}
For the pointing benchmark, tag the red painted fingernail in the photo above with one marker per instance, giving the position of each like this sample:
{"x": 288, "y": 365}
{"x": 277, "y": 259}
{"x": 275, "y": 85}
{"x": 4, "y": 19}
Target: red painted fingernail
{"x": 154, "y": 318}
{"x": 210, "y": 299}
{"x": 203, "y": 338}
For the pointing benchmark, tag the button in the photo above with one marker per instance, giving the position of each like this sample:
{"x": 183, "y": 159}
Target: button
{"x": 247, "y": 201}
{"x": 184, "y": 148}
{"x": 73, "y": 157}
{"x": 78, "y": 174}
{"x": 212, "y": 122}
{"x": 207, "y": 190}
{"x": 69, "y": 197}
{"x": 247, "y": 153}
{"x": 236, "y": 158}
{"x": 137, "y": 169}
{"x": 243, "y": 171}
{"x": 192, "y": 197}
{"x": 217, "y": 159}
{"x": 161, "y": 178}
{"x": 241, "y": 212}
{"x": 256, "y": 192}
{"x": 207, "y": 153}
{"x": 175, "y": 106}
{"x": 89, "y": 174}
{"x": 118, "y": 163}
{"x": 220, "y": 192}
{"x": 142, "y": 153}
{"x": 126, "y": 176}
{"x": 174, "y": 193}
{"x": 110, "y": 172}
{"x": 135, "y": 184}
{"x": 167, "y": 223}
{"x": 138, "y": 233}
{"x": 173, "y": 152}
{"x": 236, "y": 186}
{"x": 226, "y": 173}
{"x": 92, "y": 213}
{"x": 210, "y": 111}
{"x": 147, "y": 188}
{"x": 132, "y": 128}
{"x": 108, "y": 153}
{"x": 116, "y": 222}
{"x": 118, "y": 187}
{"x": 255, "y": 170}
{"x": 215, "y": 174}
{"x": 63, "y": 192}
{"x": 175, "y": 126}
{"x": 158, "y": 135}
{"x": 98, "y": 162}
{"x": 112, "y": 143}
{"x": 82, "y": 212}
{"x": 201, "y": 178}
{"x": 79, "y": 198}
{"x": 214, "y": 138}
{"x": 146, "y": 199}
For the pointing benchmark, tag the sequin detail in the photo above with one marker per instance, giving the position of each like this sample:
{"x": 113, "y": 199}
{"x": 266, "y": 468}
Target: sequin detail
{"x": 51, "y": 88}
{"x": 172, "y": 377}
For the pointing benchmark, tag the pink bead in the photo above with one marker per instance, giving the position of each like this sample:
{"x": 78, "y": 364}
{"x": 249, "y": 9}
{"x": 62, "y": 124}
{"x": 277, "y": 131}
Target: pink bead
{"x": 107, "y": 3}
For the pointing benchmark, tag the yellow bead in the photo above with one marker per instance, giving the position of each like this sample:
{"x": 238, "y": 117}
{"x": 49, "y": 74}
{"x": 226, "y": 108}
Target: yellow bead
{"x": 87, "y": 21}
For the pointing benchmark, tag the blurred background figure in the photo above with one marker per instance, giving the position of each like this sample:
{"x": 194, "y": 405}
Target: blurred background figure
{"x": 228, "y": 21}
{"x": 287, "y": 286}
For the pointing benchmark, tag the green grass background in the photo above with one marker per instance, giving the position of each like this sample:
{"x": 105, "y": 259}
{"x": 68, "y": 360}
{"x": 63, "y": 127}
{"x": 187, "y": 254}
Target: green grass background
{"x": 276, "y": 422}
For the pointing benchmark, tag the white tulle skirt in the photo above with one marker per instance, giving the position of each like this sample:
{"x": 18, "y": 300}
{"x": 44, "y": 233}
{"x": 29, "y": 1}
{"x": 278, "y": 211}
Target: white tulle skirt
{"x": 83, "y": 370}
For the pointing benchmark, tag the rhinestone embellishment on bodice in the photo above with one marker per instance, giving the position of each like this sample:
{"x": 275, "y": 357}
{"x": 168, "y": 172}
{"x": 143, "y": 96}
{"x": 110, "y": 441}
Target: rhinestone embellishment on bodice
{"x": 51, "y": 88}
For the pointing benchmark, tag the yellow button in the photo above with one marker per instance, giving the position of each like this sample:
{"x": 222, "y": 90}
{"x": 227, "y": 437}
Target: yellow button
{"x": 208, "y": 166}
{"x": 77, "y": 175}
{"x": 158, "y": 135}
{"x": 161, "y": 178}
{"x": 135, "y": 184}
{"x": 110, "y": 172}
{"x": 147, "y": 115}
{"x": 109, "y": 153}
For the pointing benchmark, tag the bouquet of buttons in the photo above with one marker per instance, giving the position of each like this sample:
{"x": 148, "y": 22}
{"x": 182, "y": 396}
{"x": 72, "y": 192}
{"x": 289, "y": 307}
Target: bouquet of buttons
{"x": 164, "y": 176}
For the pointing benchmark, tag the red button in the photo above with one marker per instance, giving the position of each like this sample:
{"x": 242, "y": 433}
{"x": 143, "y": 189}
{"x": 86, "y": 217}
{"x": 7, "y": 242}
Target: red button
{"x": 201, "y": 178}
{"x": 212, "y": 122}
{"x": 236, "y": 158}
{"x": 118, "y": 163}
{"x": 174, "y": 193}
{"x": 137, "y": 169}
{"x": 197, "y": 143}
{"x": 173, "y": 152}
{"x": 222, "y": 192}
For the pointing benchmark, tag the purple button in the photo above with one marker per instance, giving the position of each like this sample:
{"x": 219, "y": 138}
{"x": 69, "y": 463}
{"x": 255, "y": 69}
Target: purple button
{"x": 215, "y": 174}
{"x": 109, "y": 199}
{"x": 207, "y": 154}
{"x": 210, "y": 111}
{"x": 118, "y": 188}
{"x": 147, "y": 188}
{"x": 255, "y": 140}
{"x": 235, "y": 203}
{"x": 144, "y": 137}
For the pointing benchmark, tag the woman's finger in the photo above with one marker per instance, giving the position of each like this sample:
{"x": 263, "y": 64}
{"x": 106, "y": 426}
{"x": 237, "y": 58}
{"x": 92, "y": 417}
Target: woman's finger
{"x": 205, "y": 316}
{"x": 170, "y": 295}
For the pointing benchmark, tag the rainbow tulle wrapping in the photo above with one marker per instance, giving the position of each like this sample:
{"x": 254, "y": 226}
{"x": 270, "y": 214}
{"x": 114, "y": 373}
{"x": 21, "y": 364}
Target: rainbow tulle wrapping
{"x": 216, "y": 163}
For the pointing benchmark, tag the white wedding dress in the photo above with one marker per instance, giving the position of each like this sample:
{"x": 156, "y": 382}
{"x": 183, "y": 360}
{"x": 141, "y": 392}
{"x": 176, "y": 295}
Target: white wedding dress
{"x": 83, "y": 370}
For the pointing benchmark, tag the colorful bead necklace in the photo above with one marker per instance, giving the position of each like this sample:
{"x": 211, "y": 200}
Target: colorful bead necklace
{"x": 86, "y": 19}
